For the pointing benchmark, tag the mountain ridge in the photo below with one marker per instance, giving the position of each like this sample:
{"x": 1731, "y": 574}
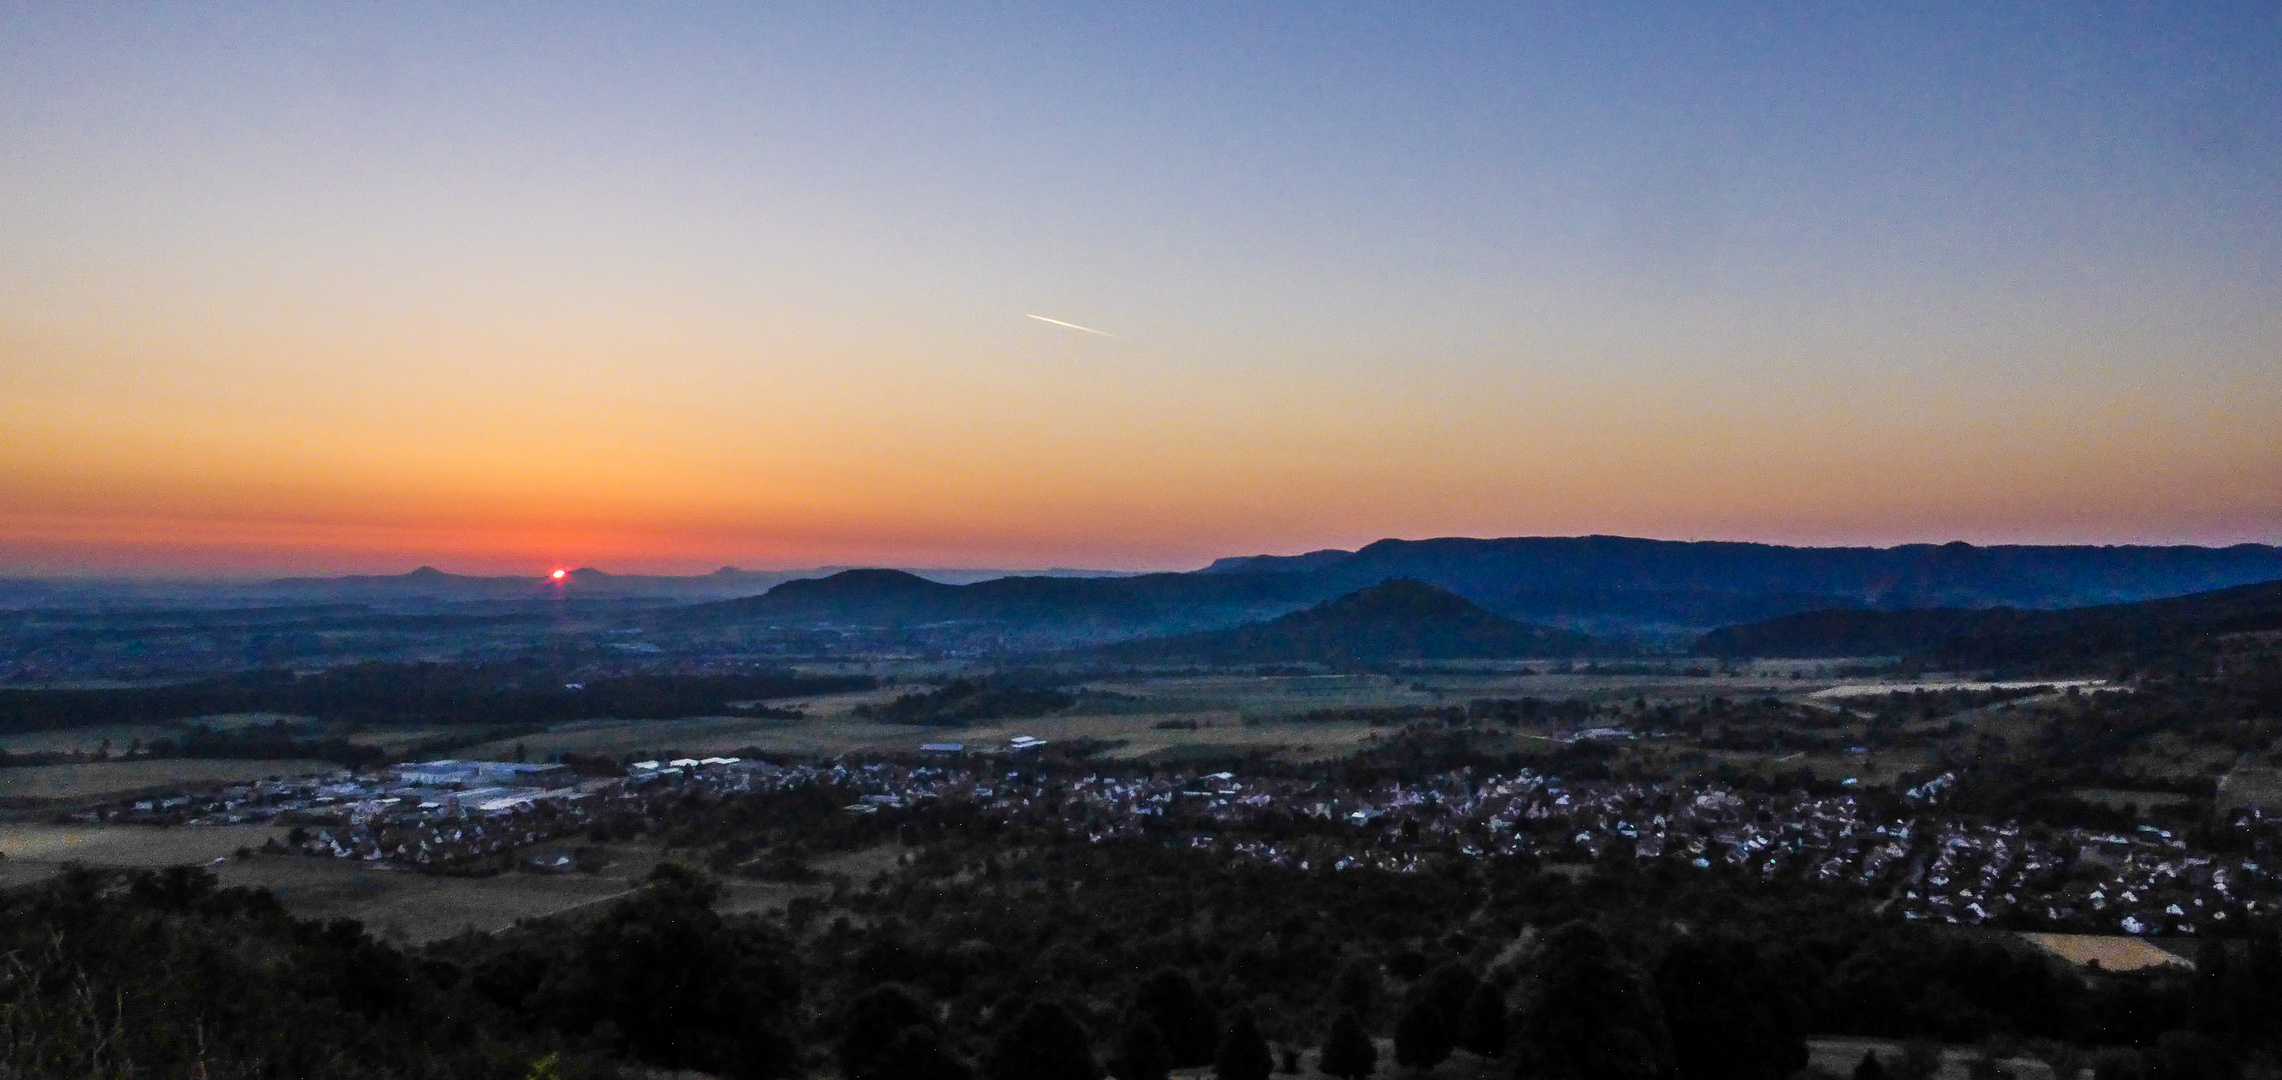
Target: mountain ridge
{"x": 1399, "y": 619}
{"x": 2007, "y": 634}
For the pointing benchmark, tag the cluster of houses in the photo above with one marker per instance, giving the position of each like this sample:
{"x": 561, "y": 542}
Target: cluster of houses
{"x": 447, "y": 787}
{"x": 1935, "y": 865}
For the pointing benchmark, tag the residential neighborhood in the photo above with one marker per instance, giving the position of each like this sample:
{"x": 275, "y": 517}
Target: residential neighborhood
{"x": 1929, "y": 863}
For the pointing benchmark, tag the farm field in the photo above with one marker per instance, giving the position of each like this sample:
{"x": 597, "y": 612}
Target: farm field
{"x": 53, "y": 783}
{"x": 1838, "y": 1056}
{"x": 86, "y": 740}
{"x": 39, "y": 848}
{"x": 2113, "y": 952}
{"x": 2245, "y": 786}
{"x": 401, "y": 905}
{"x": 1857, "y": 689}
{"x": 2116, "y": 797}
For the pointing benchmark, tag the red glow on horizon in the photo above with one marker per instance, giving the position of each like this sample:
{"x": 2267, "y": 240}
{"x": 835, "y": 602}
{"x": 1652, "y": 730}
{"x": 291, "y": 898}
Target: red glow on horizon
{"x": 560, "y": 574}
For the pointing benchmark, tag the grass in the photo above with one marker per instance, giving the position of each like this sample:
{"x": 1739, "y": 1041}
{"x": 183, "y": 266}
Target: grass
{"x": 2114, "y": 952}
{"x": 104, "y": 779}
{"x": 2246, "y": 786}
{"x": 2117, "y": 797}
{"x": 124, "y": 845}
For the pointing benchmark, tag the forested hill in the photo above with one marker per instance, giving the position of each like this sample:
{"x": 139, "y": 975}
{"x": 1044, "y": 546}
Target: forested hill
{"x": 2008, "y": 635}
{"x": 1598, "y": 584}
{"x": 1139, "y": 604}
{"x": 1501, "y": 573}
{"x": 1394, "y": 620}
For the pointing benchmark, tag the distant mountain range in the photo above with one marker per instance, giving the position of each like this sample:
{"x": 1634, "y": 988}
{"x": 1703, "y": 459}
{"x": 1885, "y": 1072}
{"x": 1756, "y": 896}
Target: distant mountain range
{"x": 431, "y": 583}
{"x": 1514, "y": 575}
{"x": 1394, "y": 620}
{"x": 1603, "y": 585}
{"x": 1662, "y": 592}
{"x": 1079, "y": 609}
{"x": 2008, "y": 635}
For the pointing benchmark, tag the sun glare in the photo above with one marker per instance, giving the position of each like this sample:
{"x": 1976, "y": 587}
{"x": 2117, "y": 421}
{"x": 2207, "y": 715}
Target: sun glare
{"x": 561, "y": 574}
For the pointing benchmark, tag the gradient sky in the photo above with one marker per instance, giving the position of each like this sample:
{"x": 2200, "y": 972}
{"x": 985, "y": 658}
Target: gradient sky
{"x": 661, "y": 287}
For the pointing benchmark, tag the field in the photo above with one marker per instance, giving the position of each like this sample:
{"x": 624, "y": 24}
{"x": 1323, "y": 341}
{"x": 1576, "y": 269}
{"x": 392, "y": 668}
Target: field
{"x": 1839, "y": 1056}
{"x": 2250, "y": 785}
{"x": 2145, "y": 800}
{"x": 2112, "y": 952}
{"x": 401, "y": 905}
{"x": 58, "y": 783}
{"x": 38, "y": 848}
{"x": 1859, "y": 689}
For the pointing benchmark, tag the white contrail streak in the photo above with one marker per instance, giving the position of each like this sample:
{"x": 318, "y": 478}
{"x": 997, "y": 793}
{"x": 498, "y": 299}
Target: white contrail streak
{"x": 1073, "y": 326}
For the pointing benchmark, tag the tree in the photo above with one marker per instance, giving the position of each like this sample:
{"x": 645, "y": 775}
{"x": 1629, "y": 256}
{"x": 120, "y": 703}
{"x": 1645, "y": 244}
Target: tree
{"x": 2117, "y": 1063}
{"x": 687, "y": 988}
{"x": 917, "y": 1053}
{"x": 1483, "y": 1030}
{"x": 870, "y": 1020}
{"x": 1044, "y": 1043}
{"x": 1921, "y": 1058}
{"x": 1870, "y": 1068}
{"x": 2181, "y": 1055}
{"x": 1348, "y": 1052}
{"x": 1244, "y": 1053}
{"x": 1141, "y": 1052}
{"x": 1452, "y": 987}
{"x": 1422, "y": 1037}
{"x": 1184, "y": 1019}
{"x": 1730, "y": 1016}
{"x": 1588, "y": 1015}
{"x": 1356, "y": 989}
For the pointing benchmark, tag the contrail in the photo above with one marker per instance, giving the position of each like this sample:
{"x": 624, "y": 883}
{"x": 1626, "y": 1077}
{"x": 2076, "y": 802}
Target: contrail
{"x": 1073, "y": 326}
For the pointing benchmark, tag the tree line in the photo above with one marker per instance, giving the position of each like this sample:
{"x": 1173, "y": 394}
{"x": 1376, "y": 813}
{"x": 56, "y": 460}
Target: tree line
{"x": 417, "y": 693}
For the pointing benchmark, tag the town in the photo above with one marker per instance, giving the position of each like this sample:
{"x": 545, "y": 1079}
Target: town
{"x": 1929, "y": 864}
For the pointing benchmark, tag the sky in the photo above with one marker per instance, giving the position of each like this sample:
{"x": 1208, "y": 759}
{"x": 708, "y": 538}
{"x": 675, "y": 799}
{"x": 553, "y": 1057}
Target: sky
{"x": 661, "y": 287}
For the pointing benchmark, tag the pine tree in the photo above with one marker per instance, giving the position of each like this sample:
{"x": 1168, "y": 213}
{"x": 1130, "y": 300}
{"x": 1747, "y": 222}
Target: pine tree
{"x": 1422, "y": 1037}
{"x": 1870, "y": 1068}
{"x": 1452, "y": 986}
{"x": 1356, "y": 989}
{"x": 1243, "y": 1054}
{"x": 870, "y": 1020}
{"x": 1141, "y": 1052}
{"x": 1045, "y": 1043}
{"x": 1590, "y": 1015}
{"x": 917, "y": 1053}
{"x": 1184, "y": 1019}
{"x": 1348, "y": 1052}
{"x": 1484, "y": 1029}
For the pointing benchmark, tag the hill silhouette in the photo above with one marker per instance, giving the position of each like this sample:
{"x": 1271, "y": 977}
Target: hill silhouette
{"x": 2008, "y": 635}
{"x": 1606, "y": 585}
{"x": 1101, "y": 607}
{"x": 1506, "y": 575}
{"x": 1394, "y": 620}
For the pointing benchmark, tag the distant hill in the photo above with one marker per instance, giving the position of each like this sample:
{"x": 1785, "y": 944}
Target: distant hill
{"x": 1604, "y": 585}
{"x": 1101, "y": 608}
{"x": 1394, "y": 620}
{"x": 1508, "y": 575}
{"x": 427, "y": 582}
{"x": 2007, "y": 635}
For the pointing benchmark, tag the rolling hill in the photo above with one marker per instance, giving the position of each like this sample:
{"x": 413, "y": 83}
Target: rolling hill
{"x": 1393, "y": 620}
{"x": 1604, "y": 585}
{"x": 2007, "y": 635}
{"x": 1092, "y": 608}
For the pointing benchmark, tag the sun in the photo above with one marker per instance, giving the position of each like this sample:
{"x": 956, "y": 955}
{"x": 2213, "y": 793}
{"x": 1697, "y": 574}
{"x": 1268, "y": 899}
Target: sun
{"x": 560, "y": 574}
